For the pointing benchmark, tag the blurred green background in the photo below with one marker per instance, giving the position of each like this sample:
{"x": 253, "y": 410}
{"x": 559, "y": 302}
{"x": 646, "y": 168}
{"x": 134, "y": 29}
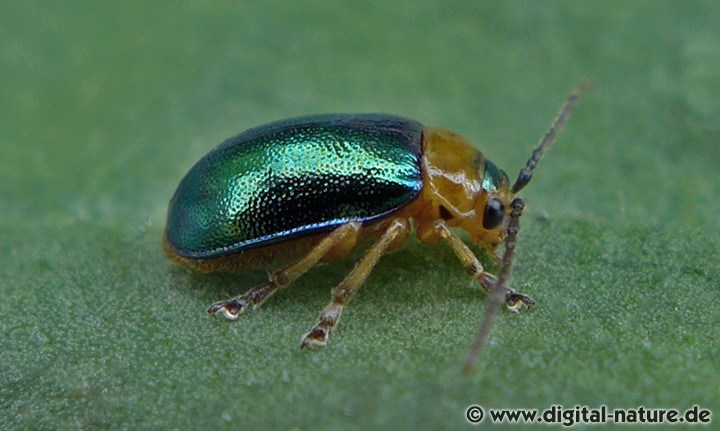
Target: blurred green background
{"x": 104, "y": 106}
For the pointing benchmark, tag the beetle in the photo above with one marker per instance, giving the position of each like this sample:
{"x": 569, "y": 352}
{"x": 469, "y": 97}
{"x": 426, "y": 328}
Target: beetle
{"x": 298, "y": 192}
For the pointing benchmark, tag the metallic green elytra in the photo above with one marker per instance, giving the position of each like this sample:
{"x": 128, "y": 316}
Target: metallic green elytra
{"x": 292, "y": 178}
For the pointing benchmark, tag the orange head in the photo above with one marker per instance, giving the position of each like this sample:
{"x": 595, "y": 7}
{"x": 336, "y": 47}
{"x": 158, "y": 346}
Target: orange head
{"x": 463, "y": 188}
{"x": 468, "y": 191}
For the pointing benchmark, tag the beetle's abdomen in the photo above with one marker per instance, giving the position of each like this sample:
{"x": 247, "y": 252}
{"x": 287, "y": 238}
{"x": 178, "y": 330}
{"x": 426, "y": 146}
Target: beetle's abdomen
{"x": 295, "y": 177}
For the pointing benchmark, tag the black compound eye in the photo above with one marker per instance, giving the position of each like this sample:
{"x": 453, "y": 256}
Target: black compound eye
{"x": 494, "y": 213}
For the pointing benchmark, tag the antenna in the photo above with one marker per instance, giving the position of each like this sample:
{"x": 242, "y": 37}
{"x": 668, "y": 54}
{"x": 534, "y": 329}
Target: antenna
{"x": 548, "y": 138}
{"x": 500, "y": 293}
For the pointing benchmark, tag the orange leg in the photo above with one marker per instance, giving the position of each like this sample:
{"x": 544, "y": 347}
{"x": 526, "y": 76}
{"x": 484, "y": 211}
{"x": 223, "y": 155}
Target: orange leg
{"x": 513, "y": 300}
{"x": 343, "y": 293}
{"x": 234, "y": 307}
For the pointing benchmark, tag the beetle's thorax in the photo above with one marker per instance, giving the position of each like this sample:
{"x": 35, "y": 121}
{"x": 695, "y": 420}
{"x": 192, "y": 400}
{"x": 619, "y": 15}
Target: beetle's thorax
{"x": 457, "y": 183}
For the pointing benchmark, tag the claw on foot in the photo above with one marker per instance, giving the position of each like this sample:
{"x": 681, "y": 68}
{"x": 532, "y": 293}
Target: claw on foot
{"x": 316, "y": 338}
{"x": 515, "y": 300}
{"x": 230, "y": 310}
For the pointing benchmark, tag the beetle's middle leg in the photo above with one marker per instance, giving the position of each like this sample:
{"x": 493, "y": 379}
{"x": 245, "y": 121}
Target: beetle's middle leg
{"x": 513, "y": 299}
{"x": 232, "y": 308}
{"x": 342, "y": 294}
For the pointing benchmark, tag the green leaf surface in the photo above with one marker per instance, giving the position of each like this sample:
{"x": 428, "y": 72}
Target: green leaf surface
{"x": 106, "y": 105}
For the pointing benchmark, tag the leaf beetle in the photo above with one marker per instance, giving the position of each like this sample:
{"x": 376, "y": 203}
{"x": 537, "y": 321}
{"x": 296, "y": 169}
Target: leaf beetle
{"x": 307, "y": 190}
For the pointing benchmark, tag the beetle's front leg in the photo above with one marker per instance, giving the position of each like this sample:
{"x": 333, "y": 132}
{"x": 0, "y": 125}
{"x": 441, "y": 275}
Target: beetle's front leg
{"x": 513, "y": 300}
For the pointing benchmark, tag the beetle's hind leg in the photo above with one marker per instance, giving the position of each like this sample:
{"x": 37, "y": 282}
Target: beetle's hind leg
{"x": 343, "y": 293}
{"x": 513, "y": 300}
{"x": 234, "y": 307}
